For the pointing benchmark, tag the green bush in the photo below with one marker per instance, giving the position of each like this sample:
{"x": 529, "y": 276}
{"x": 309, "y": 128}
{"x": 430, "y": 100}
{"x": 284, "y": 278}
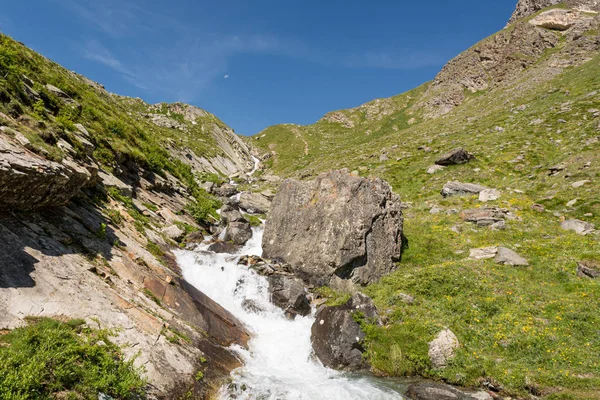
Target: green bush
{"x": 204, "y": 206}
{"x": 48, "y": 358}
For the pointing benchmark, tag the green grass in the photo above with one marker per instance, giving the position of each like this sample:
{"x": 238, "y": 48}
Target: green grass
{"x": 117, "y": 126}
{"x": 49, "y": 358}
{"x": 533, "y": 330}
{"x": 151, "y": 296}
{"x": 254, "y": 220}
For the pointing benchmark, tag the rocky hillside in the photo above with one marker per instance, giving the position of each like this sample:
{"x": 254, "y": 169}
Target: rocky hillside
{"x": 95, "y": 190}
{"x": 496, "y": 163}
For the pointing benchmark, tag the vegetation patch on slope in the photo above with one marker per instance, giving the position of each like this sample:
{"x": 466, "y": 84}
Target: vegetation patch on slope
{"x": 49, "y": 359}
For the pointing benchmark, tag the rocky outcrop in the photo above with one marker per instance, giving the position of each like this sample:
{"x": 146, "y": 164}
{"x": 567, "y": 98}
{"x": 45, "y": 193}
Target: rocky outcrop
{"x": 338, "y": 225}
{"x": 232, "y": 154}
{"x": 28, "y": 181}
{"x": 500, "y": 59}
{"x": 559, "y": 20}
{"x": 57, "y": 264}
{"x": 525, "y": 8}
{"x": 336, "y": 335}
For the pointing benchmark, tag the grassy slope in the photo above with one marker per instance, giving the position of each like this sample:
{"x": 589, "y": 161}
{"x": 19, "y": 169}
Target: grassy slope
{"x": 115, "y": 123}
{"x": 118, "y": 128}
{"x": 532, "y": 330}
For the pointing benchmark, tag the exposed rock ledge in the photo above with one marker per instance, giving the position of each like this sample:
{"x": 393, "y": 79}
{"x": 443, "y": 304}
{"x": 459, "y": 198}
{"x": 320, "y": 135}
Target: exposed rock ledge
{"x": 28, "y": 181}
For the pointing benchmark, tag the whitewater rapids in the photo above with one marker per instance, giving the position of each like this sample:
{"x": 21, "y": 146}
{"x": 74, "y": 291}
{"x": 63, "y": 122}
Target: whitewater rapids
{"x": 278, "y": 364}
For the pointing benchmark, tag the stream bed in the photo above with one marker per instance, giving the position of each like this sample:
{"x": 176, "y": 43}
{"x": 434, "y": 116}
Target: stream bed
{"x": 279, "y": 362}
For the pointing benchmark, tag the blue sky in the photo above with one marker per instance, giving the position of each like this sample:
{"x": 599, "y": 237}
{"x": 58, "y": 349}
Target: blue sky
{"x": 255, "y": 63}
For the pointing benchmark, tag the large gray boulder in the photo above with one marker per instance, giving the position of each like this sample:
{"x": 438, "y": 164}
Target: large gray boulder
{"x": 237, "y": 228}
{"x": 338, "y": 226}
{"x": 288, "y": 293}
{"x": 28, "y": 181}
{"x": 336, "y": 336}
{"x": 455, "y": 157}
{"x": 509, "y": 257}
{"x": 255, "y": 203}
{"x": 442, "y": 349}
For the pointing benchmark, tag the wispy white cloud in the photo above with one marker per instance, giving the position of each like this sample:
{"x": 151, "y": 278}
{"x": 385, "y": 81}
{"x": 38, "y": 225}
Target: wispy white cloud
{"x": 113, "y": 17}
{"x": 387, "y": 60}
{"x": 95, "y": 51}
{"x": 177, "y": 61}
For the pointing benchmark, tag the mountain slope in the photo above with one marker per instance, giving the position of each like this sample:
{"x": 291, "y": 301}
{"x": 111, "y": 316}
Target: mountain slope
{"x": 526, "y": 103}
{"x": 95, "y": 191}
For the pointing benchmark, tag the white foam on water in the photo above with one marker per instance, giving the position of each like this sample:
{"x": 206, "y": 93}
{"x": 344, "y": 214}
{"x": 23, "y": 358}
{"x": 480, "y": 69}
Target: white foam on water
{"x": 278, "y": 364}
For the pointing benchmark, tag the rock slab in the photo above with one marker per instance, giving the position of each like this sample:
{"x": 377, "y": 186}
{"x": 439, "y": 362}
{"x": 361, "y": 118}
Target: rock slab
{"x": 442, "y": 348}
{"x": 455, "y": 157}
{"x": 440, "y": 391}
{"x": 461, "y": 189}
{"x": 338, "y": 226}
{"x": 580, "y": 227}
{"x": 337, "y": 337}
{"x": 28, "y": 181}
{"x": 289, "y": 294}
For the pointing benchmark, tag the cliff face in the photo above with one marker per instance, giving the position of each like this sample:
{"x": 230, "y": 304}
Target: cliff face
{"x": 527, "y": 7}
{"x": 94, "y": 189}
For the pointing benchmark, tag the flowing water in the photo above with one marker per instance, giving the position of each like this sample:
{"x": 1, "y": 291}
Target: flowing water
{"x": 278, "y": 364}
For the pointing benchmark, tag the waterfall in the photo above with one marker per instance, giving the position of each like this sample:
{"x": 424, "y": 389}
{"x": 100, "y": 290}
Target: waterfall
{"x": 279, "y": 362}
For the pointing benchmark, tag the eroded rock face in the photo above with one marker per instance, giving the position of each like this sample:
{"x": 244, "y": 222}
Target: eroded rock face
{"x": 559, "y": 20}
{"x": 337, "y": 337}
{"x": 28, "y": 181}
{"x": 337, "y": 225}
{"x": 527, "y": 7}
